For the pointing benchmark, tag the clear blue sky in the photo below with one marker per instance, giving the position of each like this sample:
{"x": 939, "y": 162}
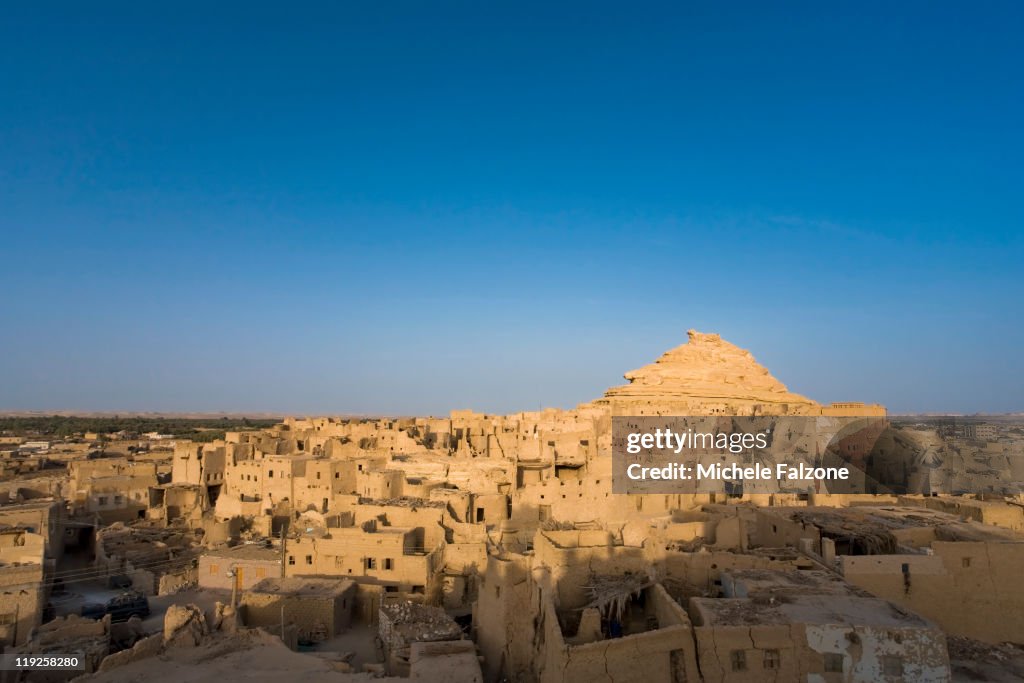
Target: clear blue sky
{"x": 412, "y": 207}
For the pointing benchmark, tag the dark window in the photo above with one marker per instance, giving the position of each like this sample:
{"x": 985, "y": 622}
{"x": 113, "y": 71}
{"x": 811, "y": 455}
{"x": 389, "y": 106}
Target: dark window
{"x": 738, "y": 659}
{"x": 389, "y": 563}
{"x": 833, "y": 663}
{"x": 371, "y": 563}
{"x": 771, "y": 659}
{"x": 291, "y": 559}
{"x": 309, "y": 559}
{"x": 892, "y": 665}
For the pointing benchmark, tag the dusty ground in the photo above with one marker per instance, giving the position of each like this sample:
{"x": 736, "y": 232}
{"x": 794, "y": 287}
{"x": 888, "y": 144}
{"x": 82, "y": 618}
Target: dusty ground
{"x": 359, "y": 640}
{"x": 97, "y": 592}
{"x": 205, "y": 599}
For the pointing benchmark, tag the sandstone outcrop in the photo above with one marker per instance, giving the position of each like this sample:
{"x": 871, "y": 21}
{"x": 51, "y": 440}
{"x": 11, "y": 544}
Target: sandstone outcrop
{"x": 184, "y": 625}
{"x": 705, "y": 376}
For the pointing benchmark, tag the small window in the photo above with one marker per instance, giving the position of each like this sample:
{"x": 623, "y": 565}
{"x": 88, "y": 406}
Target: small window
{"x": 771, "y": 659}
{"x": 738, "y": 659}
{"x": 371, "y": 563}
{"x": 102, "y": 500}
{"x": 7, "y": 619}
{"x": 118, "y": 500}
{"x": 892, "y": 665}
{"x": 309, "y": 559}
{"x": 833, "y": 663}
{"x": 965, "y": 562}
{"x": 337, "y": 475}
{"x": 214, "y": 569}
{"x": 317, "y": 475}
{"x": 389, "y": 563}
{"x": 270, "y": 474}
{"x": 291, "y": 559}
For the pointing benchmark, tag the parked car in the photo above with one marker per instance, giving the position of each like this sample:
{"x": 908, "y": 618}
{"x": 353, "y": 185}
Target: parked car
{"x": 94, "y": 610}
{"x": 121, "y": 608}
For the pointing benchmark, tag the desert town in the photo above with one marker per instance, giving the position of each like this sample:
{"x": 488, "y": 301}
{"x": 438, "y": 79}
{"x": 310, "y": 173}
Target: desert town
{"x": 491, "y": 548}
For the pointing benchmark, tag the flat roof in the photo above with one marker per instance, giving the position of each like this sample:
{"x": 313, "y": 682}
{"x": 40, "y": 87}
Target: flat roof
{"x": 32, "y": 504}
{"x": 247, "y": 551}
{"x": 823, "y": 610}
{"x": 868, "y": 518}
{"x": 297, "y": 587}
{"x": 777, "y": 583}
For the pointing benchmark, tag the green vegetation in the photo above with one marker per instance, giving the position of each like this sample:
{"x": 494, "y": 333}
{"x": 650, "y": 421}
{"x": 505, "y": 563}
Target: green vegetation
{"x": 196, "y": 429}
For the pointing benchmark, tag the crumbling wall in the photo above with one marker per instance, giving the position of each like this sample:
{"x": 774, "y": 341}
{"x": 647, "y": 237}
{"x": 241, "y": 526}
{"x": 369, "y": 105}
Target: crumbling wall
{"x": 774, "y": 530}
{"x": 971, "y": 589}
{"x": 505, "y": 619}
{"x": 147, "y": 647}
{"x": 791, "y": 652}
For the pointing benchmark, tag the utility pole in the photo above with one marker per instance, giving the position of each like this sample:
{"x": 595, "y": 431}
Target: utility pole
{"x": 284, "y": 551}
{"x": 234, "y": 588}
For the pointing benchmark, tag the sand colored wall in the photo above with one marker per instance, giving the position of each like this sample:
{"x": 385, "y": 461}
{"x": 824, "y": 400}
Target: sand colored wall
{"x": 21, "y": 602}
{"x": 970, "y": 589}
{"x": 774, "y": 530}
{"x": 395, "y": 555}
{"x": 504, "y": 619}
{"x": 796, "y": 652}
{"x": 213, "y": 571}
{"x": 308, "y": 613}
{"x": 665, "y": 654}
{"x": 997, "y": 513}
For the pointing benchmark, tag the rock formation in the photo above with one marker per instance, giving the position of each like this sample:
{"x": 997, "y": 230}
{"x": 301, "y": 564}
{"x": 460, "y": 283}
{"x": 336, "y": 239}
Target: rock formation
{"x": 184, "y": 625}
{"x": 707, "y": 375}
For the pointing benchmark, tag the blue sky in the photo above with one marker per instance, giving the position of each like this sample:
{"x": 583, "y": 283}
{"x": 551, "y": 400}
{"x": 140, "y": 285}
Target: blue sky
{"x": 414, "y": 207}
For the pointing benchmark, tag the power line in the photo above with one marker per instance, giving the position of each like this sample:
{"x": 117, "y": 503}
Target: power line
{"x": 72, "y": 573}
{"x": 98, "y": 573}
